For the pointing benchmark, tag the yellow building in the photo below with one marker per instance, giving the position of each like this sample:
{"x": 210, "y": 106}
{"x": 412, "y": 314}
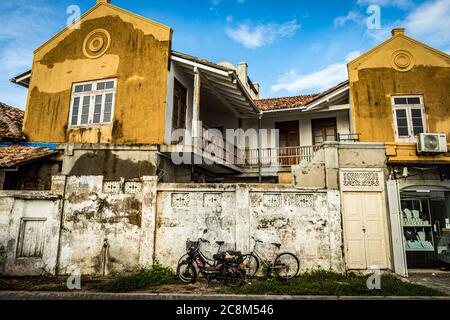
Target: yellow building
{"x": 110, "y": 92}
{"x": 400, "y": 96}
{"x": 400, "y": 89}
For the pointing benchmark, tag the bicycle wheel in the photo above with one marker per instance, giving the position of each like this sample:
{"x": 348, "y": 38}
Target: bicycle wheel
{"x": 186, "y": 272}
{"x": 236, "y": 277}
{"x": 183, "y": 257}
{"x": 251, "y": 263}
{"x": 286, "y": 266}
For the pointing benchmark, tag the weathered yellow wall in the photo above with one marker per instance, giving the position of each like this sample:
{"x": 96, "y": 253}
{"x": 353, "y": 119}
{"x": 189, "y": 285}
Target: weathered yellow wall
{"x": 373, "y": 81}
{"x": 138, "y": 57}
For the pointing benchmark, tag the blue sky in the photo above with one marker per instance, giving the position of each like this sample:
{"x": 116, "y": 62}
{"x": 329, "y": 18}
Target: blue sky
{"x": 292, "y": 47}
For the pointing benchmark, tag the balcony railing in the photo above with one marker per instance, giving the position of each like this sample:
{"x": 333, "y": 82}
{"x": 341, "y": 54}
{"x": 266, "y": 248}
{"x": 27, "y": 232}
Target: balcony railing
{"x": 281, "y": 157}
{"x": 214, "y": 144}
{"x": 216, "y": 147}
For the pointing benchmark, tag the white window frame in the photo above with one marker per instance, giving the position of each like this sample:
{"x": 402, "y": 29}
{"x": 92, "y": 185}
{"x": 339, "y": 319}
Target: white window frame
{"x": 408, "y": 107}
{"x": 92, "y": 96}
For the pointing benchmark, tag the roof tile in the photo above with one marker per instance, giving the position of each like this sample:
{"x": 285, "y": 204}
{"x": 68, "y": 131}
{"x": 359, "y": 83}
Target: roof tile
{"x": 13, "y": 156}
{"x": 11, "y": 120}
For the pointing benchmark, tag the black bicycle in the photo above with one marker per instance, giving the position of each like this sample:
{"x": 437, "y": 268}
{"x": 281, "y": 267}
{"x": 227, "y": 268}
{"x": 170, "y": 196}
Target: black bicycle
{"x": 286, "y": 265}
{"x": 226, "y": 266}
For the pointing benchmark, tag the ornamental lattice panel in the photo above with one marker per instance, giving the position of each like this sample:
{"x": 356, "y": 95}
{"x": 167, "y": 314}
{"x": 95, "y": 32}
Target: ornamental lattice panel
{"x": 304, "y": 200}
{"x": 362, "y": 180}
{"x": 212, "y": 200}
{"x": 112, "y": 187}
{"x": 272, "y": 200}
{"x": 132, "y": 187}
{"x": 180, "y": 200}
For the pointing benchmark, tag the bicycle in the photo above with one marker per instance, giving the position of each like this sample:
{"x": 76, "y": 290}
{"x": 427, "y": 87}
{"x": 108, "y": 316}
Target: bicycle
{"x": 226, "y": 266}
{"x": 286, "y": 265}
{"x": 210, "y": 261}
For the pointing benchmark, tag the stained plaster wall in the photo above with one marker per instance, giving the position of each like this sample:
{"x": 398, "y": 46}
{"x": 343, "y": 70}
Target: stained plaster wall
{"x": 138, "y": 57}
{"x": 234, "y": 213}
{"x": 15, "y": 208}
{"x": 107, "y": 231}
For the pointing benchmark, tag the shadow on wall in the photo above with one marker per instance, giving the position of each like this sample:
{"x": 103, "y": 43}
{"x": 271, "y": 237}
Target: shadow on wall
{"x": 111, "y": 166}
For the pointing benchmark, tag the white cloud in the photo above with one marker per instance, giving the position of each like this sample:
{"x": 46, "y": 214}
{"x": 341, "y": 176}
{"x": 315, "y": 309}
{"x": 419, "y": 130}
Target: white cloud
{"x": 402, "y": 4}
{"x": 25, "y": 26}
{"x": 352, "y": 16}
{"x": 430, "y": 22}
{"x": 319, "y": 81}
{"x": 258, "y": 35}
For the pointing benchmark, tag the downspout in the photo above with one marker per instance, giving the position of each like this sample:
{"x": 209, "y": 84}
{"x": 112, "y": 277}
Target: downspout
{"x": 61, "y": 226}
{"x": 259, "y": 148}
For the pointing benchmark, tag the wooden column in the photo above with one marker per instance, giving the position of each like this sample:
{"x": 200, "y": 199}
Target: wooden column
{"x": 196, "y": 125}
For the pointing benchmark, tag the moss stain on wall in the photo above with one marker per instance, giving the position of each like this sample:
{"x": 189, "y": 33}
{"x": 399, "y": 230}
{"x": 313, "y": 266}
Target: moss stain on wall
{"x": 139, "y": 62}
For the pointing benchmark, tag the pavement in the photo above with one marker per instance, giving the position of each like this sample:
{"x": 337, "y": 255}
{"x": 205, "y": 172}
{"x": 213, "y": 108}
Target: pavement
{"x": 84, "y": 295}
{"x": 436, "y": 279}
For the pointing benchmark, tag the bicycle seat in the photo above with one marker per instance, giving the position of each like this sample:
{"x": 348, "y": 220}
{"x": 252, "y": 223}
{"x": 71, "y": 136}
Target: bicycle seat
{"x": 220, "y": 243}
{"x": 278, "y": 245}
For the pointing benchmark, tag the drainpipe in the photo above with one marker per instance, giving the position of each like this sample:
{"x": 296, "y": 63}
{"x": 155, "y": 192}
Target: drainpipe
{"x": 61, "y": 226}
{"x": 259, "y": 148}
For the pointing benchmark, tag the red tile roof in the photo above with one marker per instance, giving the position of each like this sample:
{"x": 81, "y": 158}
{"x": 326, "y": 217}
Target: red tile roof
{"x": 11, "y": 120}
{"x": 295, "y": 101}
{"x": 285, "y": 102}
{"x": 13, "y": 156}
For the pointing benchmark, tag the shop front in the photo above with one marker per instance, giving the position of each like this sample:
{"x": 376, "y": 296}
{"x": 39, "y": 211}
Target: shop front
{"x": 420, "y": 220}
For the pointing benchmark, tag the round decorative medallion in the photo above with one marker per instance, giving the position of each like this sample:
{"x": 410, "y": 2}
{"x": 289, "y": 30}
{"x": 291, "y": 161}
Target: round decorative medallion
{"x": 96, "y": 43}
{"x": 402, "y": 60}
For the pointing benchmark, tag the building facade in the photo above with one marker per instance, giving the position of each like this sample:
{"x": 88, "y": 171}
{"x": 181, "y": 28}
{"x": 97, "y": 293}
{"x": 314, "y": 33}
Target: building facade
{"x": 153, "y": 146}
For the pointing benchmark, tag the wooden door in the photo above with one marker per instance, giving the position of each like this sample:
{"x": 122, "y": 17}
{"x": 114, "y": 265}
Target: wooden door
{"x": 324, "y": 130}
{"x": 288, "y": 143}
{"x": 364, "y": 232}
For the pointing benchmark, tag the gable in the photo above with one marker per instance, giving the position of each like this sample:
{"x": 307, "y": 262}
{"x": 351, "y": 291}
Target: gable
{"x": 110, "y": 43}
{"x": 147, "y": 26}
{"x": 400, "y": 53}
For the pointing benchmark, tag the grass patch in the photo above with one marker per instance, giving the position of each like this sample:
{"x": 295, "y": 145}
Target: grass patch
{"x": 335, "y": 284}
{"x": 144, "y": 278}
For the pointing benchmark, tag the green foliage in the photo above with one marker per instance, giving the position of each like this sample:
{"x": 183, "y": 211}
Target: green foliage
{"x": 144, "y": 278}
{"x": 321, "y": 282}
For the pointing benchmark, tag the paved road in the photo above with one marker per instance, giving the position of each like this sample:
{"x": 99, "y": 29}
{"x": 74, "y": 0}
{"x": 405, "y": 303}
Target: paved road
{"x": 24, "y": 295}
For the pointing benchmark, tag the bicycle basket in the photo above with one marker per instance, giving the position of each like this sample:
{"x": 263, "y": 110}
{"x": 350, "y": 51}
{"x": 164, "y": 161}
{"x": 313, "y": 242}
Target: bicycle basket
{"x": 191, "y": 245}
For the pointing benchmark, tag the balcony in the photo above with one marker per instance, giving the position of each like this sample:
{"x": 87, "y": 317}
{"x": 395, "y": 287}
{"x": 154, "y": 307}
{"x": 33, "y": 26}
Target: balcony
{"x": 279, "y": 157}
{"x": 215, "y": 147}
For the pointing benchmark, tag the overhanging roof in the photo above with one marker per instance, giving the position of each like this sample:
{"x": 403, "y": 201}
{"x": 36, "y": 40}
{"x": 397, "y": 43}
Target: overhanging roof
{"x": 312, "y": 102}
{"x": 22, "y": 79}
{"x": 221, "y": 82}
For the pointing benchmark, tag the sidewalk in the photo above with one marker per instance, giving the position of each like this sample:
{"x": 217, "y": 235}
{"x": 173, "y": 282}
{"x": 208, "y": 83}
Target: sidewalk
{"x": 82, "y": 295}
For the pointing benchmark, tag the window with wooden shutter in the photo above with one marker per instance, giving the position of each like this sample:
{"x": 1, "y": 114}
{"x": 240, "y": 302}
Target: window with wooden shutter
{"x": 179, "y": 106}
{"x": 409, "y": 117}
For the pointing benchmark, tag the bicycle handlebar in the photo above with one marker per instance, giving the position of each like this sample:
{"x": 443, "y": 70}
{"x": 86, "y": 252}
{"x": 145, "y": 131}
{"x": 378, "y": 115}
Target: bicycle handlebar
{"x": 256, "y": 240}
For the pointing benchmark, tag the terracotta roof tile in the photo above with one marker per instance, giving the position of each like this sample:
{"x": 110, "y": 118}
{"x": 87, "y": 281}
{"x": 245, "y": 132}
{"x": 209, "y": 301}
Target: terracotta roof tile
{"x": 12, "y": 156}
{"x": 285, "y": 102}
{"x": 295, "y": 101}
{"x": 11, "y": 120}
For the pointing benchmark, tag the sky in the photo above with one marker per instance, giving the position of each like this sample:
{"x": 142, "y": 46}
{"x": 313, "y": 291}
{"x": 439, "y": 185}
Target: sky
{"x": 292, "y": 47}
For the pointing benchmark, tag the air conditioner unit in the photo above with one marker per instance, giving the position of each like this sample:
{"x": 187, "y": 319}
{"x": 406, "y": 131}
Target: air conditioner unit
{"x": 431, "y": 143}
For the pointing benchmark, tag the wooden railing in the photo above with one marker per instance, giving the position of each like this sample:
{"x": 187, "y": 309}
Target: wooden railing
{"x": 214, "y": 144}
{"x": 284, "y": 157}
